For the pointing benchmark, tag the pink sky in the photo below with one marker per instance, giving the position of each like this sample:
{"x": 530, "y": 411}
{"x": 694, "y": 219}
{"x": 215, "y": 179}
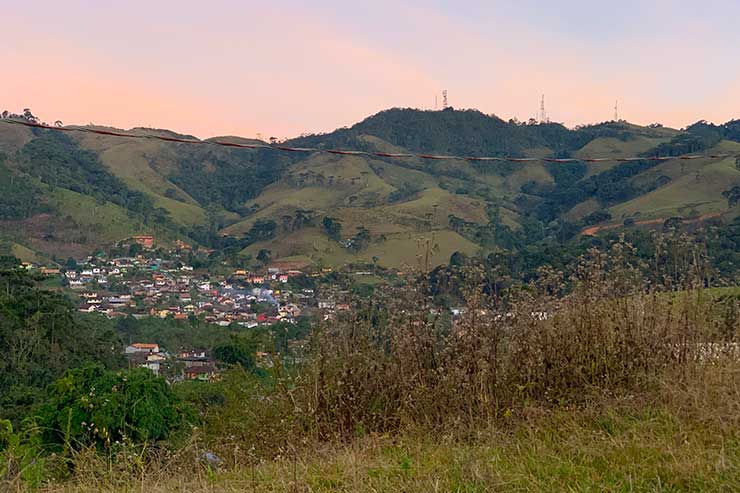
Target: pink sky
{"x": 285, "y": 68}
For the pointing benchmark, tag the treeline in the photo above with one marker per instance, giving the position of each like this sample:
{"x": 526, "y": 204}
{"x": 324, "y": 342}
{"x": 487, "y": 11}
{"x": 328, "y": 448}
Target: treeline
{"x": 467, "y": 132}
{"x": 519, "y": 255}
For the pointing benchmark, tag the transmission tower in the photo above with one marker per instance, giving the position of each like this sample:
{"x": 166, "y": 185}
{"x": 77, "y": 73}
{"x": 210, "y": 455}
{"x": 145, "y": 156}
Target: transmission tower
{"x": 444, "y": 99}
{"x": 616, "y": 111}
{"x": 543, "y": 114}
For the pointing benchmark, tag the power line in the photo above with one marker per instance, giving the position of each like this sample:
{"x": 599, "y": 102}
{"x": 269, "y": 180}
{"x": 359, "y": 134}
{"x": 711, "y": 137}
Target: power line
{"x": 395, "y": 155}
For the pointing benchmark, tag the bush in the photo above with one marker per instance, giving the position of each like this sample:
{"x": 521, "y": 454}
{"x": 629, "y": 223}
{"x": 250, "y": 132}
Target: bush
{"x": 94, "y": 406}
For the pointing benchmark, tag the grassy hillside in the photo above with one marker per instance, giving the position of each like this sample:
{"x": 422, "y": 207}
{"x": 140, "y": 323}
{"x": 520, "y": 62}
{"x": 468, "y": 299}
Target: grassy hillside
{"x": 125, "y": 186}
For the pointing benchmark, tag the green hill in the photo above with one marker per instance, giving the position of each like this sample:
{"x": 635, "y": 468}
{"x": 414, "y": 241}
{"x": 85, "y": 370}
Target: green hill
{"x": 69, "y": 193}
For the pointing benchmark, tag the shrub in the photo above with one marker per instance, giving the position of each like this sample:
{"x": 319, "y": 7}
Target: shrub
{"x": 94, "y": 406}
{"x": 603, "y": 329}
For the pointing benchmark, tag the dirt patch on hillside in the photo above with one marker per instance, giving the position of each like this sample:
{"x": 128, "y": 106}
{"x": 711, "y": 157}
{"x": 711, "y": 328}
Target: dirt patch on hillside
{"x": 593, "y": 230}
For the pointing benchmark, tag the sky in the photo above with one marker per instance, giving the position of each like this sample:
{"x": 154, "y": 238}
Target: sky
{"x": 283, "y": 68}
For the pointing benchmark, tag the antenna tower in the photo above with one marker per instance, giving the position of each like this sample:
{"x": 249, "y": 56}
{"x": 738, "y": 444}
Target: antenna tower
{"x": 435, "y": 102}
{"x": 543, "y": 114}
{"x": 444, "y": 99}
{"x": 616, "y": 111}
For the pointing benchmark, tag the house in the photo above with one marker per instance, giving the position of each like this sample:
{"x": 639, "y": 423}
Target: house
{"x": 151, "y": 361}
{"x": 140, "y": 347}
{"x": 88, "y": 308}
{"x": 147, "y": 241}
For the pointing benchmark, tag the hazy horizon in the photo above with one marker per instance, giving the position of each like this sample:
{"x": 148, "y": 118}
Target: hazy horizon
{"x": 243, "y": 68}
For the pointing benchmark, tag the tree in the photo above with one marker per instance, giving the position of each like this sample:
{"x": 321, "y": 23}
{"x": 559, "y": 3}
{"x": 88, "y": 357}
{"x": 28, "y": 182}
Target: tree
{"x": 332, "y": 227}
{"x": 361, "y": 239}
{"x": 287, "y": 223}
{"x": 41, "y": 336}
{"x": 732, "y": 195}
{"x": 240, "y": 350}
{"x": 672, "y": 223}
{"x": 264, "y": 256}
{"x": 262, "y": 229}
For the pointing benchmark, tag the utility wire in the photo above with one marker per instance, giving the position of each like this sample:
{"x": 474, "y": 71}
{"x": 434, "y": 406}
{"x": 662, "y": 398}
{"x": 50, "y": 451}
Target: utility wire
{"x": 395, "y": 155}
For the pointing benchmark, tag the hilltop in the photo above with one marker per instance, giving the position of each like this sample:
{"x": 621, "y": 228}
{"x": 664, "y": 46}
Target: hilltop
{"x": 66, "y": 194}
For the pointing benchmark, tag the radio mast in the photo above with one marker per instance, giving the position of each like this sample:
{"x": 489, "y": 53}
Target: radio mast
{"x": 543, "y": 114}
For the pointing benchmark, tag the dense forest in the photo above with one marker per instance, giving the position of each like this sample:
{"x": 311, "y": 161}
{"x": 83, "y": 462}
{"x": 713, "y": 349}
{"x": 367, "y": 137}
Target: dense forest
{"x": 466, "y": 132}
{"x": 21, "y": 198}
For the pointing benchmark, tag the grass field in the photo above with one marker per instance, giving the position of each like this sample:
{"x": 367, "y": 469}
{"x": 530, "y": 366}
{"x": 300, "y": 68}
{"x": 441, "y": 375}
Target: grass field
{"x": 399, "y": 250}
{"x": 140, "y": 164}
{"x": 651, "y": 450}
{"x": 25, "y": 254}
{"x": 693, "y": 190}
{"x": 621, "y": 449}
{"x": 107, "y": 221}
{"x": 612, "y": 147}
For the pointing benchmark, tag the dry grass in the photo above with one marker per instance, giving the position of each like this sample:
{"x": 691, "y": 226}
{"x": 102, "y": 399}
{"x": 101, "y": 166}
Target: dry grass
{"x": 592, "y": 381}
{"x": 682, "y": 439}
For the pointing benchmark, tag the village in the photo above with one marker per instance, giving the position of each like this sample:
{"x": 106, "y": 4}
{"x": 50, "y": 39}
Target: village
{"x": 159, "y": 283}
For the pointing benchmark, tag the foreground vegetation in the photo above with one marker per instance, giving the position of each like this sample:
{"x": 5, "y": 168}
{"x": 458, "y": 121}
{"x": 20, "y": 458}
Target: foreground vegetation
{"x": 619, "y": 373}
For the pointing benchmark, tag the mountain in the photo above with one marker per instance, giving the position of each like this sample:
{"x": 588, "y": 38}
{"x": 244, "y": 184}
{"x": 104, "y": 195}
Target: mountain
{"x": 66, "y": 194}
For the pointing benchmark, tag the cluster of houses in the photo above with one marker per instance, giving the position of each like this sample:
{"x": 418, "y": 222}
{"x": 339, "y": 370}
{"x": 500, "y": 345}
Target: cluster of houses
{"x": 185, "y": 365}
{"x": 143, "y": 286}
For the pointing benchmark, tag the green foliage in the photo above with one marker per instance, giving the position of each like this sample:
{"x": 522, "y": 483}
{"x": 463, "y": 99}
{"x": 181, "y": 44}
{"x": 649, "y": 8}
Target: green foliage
{"x": 264, "y": 256}
{"x": 596, "y": 217}
{"x": 240, "y": 349}
{"x": 467, "y": 132}
{"x": 227, "y": 177}
{"x": 729, "y": 130}
{"x": 174, "y": 335}
{"x": 261, "y": 230}
{"x": 332, "y": 227}
{"x": 361, "y": 239}
{"x": 404, "y": 192}
{"x": 22, "y": 455}
{"x": 57, "y": 160}
{"x": 567, "y": 173}
{"x": 95, "y": 406}
{"x": 41, "y": 336}
{"x": 732, "y": 195}
{"x": 19, "y": 197}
